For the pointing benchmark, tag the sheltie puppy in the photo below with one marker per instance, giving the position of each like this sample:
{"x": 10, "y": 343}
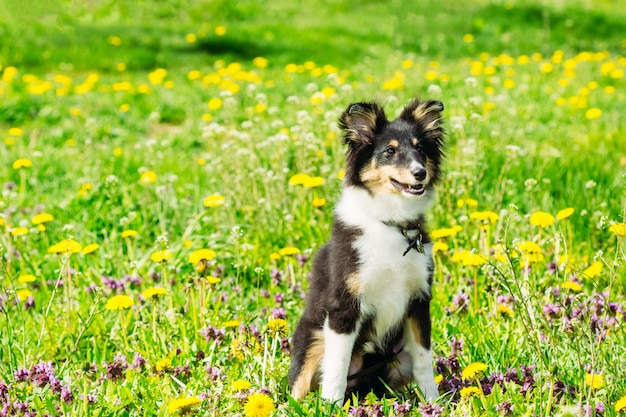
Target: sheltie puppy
{"x": 366, "y": 325}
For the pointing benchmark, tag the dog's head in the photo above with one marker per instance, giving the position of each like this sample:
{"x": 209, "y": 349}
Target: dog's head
{"x": 402, "y": 156}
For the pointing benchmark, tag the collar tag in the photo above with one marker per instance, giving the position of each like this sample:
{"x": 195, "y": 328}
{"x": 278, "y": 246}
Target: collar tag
{"x": 414, "y": 242}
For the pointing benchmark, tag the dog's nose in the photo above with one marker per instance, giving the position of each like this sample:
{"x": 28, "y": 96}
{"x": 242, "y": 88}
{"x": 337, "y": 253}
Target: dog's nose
{"x": 419, "y": 174}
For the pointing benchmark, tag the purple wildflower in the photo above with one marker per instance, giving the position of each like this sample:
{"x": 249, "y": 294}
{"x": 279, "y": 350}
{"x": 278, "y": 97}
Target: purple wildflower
{"x": 214, "y": 373}
{"x": 277, "y": 276}
{"x": 460, "y": 301}
{"x": 115, "y": 370}
{"x": 213, "y": 333}
{"x": 114, "y": 285}
{"x": 41, "y": 373}
{"x": 505, "y": 409}
{"x": 278, "y": 313}
{"x": 21, "y": 375}
{"x": 302, "y": 259}
{"x": 401, "y": 410}
{"x": 139, "y": 362}
{"x": 431, "y": 410}
{"x": 66, "y": 394}
{"x": 279, "y": 298}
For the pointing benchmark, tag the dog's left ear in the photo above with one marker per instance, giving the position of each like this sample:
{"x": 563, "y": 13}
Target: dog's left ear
{"x": 361, "y": 121}
{"x": 425, "y": 113}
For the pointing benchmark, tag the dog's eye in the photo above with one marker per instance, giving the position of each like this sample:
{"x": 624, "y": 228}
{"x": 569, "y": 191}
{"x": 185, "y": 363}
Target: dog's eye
{"x": 421, "y": 151}
{"x": 390, "y": 151}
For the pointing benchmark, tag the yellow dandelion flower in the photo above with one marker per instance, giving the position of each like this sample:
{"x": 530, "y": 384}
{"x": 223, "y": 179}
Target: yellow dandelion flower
{"x": 469, "y": 391}
{"x": 593, "y": 270}
{"x": 528, "y": 247}
{"x": 191, "y": 37}
{"x": 220, "y": 31}
{"x": 473, "y": 369}
{"x": 341, "y": 174}
{"x": 541, "y": 219}
{"x": 129, "y": 233}
{"x": 260, "y": 62}
{"x": 232, "y": 323}
{"x": 212, "y": 280}
{"x": 161, "y": 256}
{"x": 149, "y": 293}
{"x": 317, "y": 98}
{"x": 42, "y": 218}
{"x": 313, "y": 182}
{"x": 531, "y": 252}
{"x": 289, "y": 250}
{"x": 572, "y": 286}
{"x": 594, "y": 380}
{"x": 19, "y": 231}
{"x": 163, "y": 364}
{"x": 319, "y": 202}
{"x": 328, "y": 92}
{"x": 115, "y": 40}
{"x": 22, "y": 279}
{"x": 183, "y": 404}
{"x": 485, "y": 216}
{"x": 22, "y": 163}
{"x": 278, "y": 325}
{"x": 565, "y": 213}
{"x": 274, "y": 256}
{"x": 468, "y": 38}
{"x": 469, "y": 258}
{"x": 620, "y": 405}
{"x": 445, "y": 232}
{"x": 16, "y": 131}
{"x": 90, "y": 248}
{"x": 618, "y": 229}
{"x": 258, "y": 405}
{"x": 299, "y": 179}
{"x": 148, "y": 177}
{"x": 504, "y": 309}
{"x": 440, "y": 247}
{"x": 66, "y": 246}
{"x": 119, "y": 302}
{"x": 241, "y": 385}
{"x": 438, "y": 379}
{"x": 194, "y": 75}
{"x": 201, "y": 255}
{"x": 214, "y": 200}
{"x": 215, "y": 103}
{"x": 593, "y": 113}
{"x": 23, "y": 295}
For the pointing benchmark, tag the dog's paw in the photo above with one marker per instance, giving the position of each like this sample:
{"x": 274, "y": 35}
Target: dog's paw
{"x": 430, "y": 390}
{"x": 333, "y": 394}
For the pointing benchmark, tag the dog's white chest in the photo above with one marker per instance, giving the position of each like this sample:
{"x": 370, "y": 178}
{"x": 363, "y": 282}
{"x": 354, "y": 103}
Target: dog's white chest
{"x": 388, "y": 279}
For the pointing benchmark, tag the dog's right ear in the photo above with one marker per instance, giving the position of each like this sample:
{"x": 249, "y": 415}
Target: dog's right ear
{"x": 360, "y": 122}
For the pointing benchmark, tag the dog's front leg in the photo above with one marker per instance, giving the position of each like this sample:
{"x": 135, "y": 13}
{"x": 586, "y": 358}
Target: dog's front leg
{"x": 336, "y": 361}
{"x": 417, "y": 336}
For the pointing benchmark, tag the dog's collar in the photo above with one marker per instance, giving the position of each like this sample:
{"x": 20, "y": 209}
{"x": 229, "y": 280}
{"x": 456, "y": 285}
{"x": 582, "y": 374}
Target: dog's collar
{"x": 413, "y": 234}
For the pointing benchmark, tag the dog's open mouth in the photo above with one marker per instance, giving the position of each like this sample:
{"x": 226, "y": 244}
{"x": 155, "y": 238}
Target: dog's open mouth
{"x": 417, "y": 189}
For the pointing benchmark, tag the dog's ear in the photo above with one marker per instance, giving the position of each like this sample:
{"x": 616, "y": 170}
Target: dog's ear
{"x": 425, "y": 113}
{"x": 360, "y": 122}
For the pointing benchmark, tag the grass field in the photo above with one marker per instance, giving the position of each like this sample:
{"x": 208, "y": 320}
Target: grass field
{"x": 170, "y": 169}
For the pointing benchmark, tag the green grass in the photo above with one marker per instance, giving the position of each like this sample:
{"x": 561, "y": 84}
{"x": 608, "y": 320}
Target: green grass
{"x": 534, "y": 102}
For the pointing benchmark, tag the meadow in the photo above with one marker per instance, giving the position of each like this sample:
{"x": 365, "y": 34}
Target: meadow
{"x": 169, "y": 171}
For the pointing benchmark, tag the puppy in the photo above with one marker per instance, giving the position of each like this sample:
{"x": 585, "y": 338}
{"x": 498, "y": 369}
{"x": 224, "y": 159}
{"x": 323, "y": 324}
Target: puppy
{"x": 366, "y": 325}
